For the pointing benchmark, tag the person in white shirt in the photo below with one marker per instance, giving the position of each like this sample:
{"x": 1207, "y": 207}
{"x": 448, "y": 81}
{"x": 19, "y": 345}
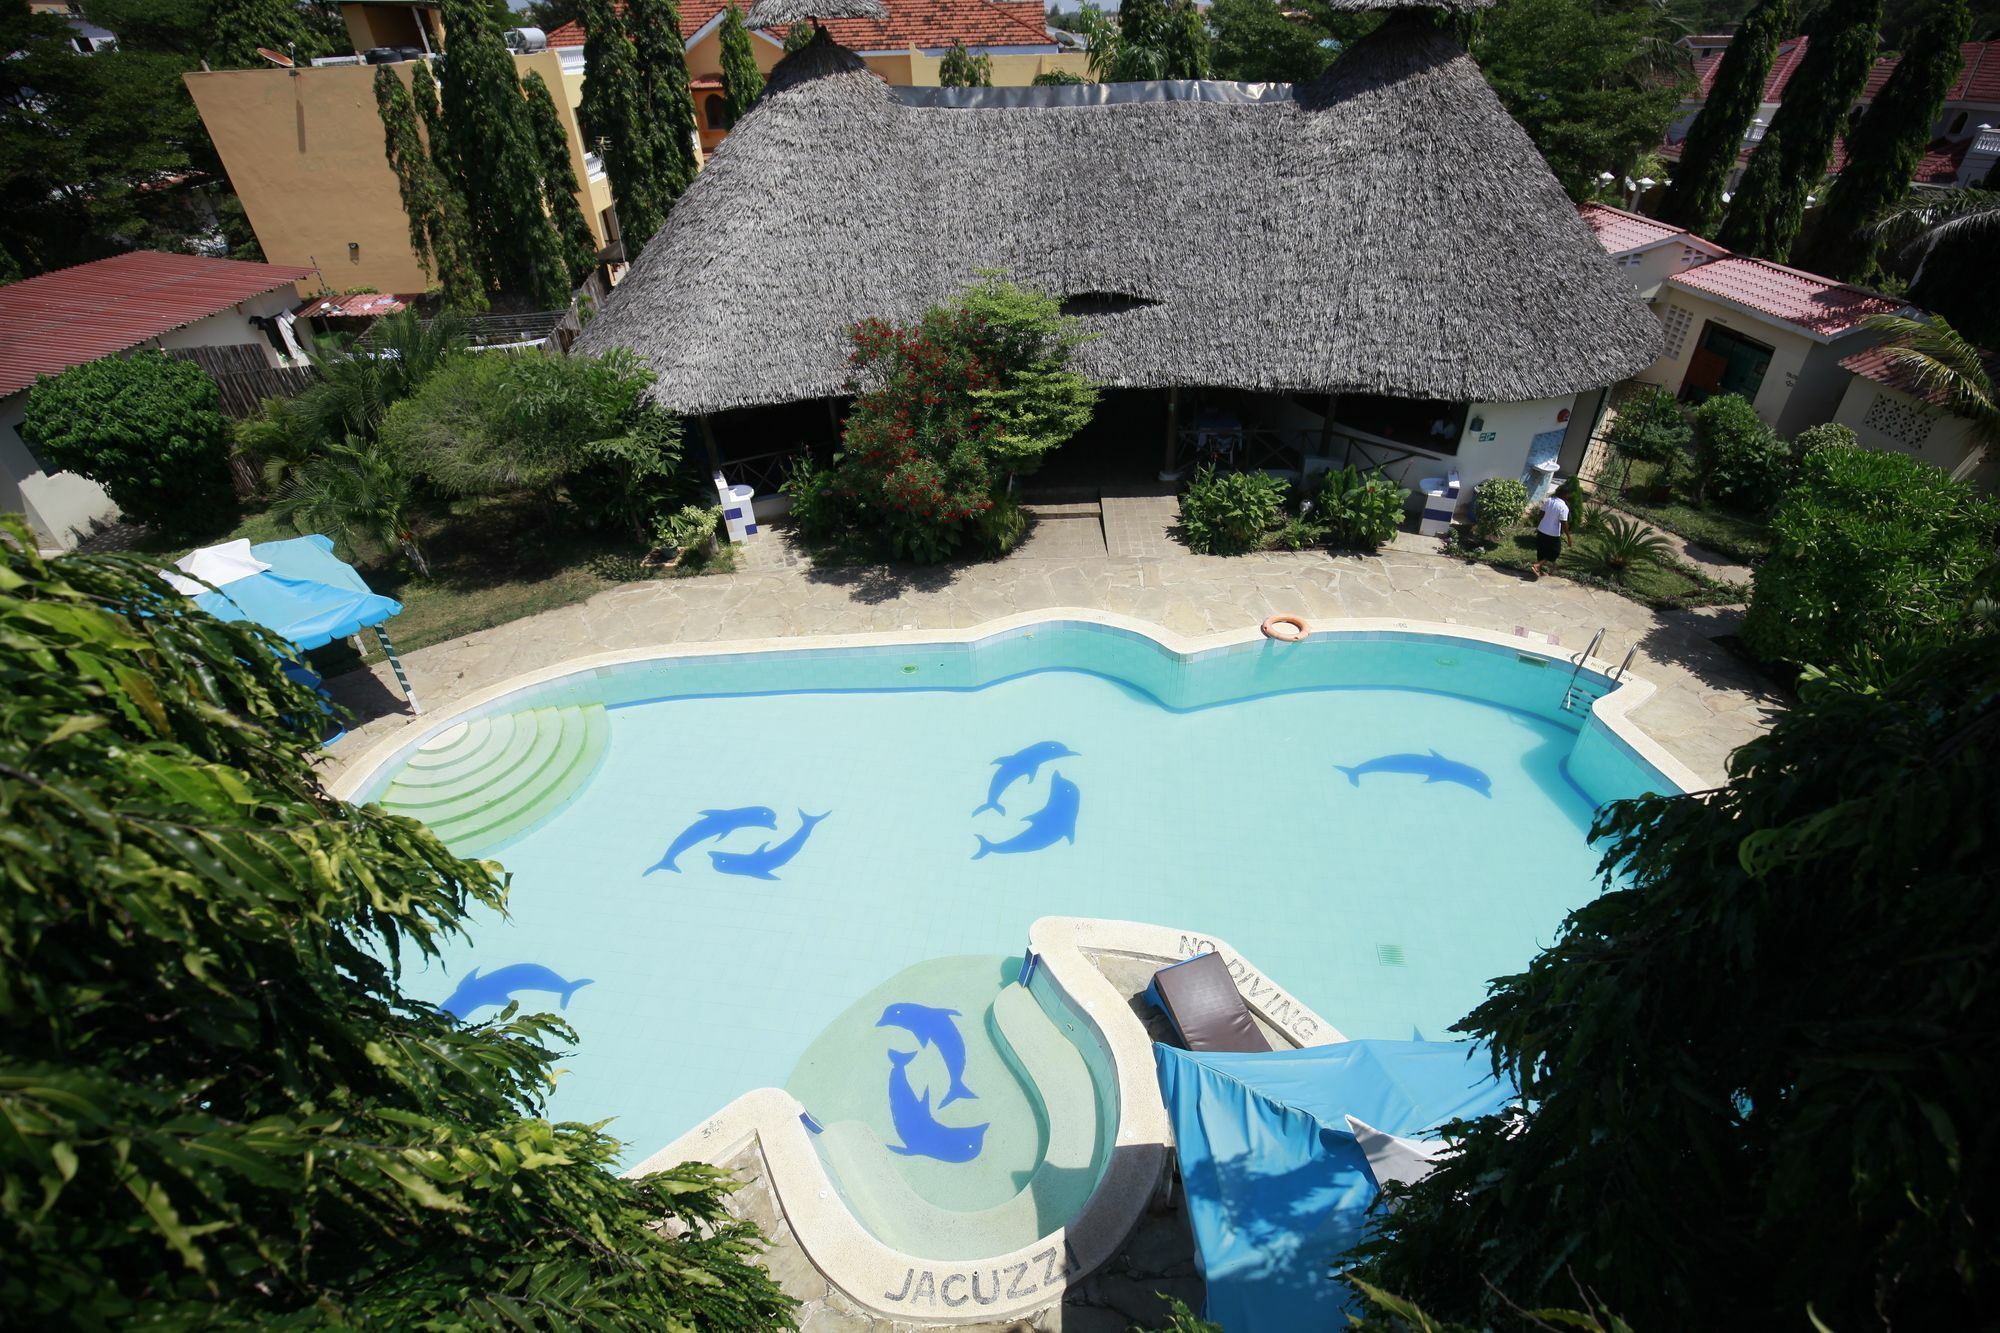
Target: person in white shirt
{"x": 1551, "y": 532}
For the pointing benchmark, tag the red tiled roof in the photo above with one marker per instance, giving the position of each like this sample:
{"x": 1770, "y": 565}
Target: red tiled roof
{"x": 1815, "y": 304}
{"x": 1786, "y": 63}
{"x": 920, "y": 23}
{"x": 63, "y": 319}
{"x": 362, "y": 305}
{"x": 1619, "y": 231}
{"x": 1876, "y": 364}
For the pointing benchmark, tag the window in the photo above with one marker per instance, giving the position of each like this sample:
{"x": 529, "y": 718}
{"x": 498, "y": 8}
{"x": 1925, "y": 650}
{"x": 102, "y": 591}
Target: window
{"x": 1957, "y": 125}
{"x": 1418, "y": 423}
{"x": 716, "y": 108}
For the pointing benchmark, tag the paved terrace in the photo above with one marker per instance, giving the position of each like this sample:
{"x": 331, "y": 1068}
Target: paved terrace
{"x": 1125, "y": 561}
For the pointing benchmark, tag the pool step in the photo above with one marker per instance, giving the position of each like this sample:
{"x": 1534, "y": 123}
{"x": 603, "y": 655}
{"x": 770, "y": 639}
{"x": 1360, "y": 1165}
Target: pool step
{"x": 486, "y": 781}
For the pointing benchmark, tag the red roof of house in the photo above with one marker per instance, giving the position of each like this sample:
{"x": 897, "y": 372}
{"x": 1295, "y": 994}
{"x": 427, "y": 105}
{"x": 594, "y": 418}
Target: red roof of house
{"x": 63, "y": 319}
{"x": 1978, "y": 78}
{"x": 920, "y": 23}
{"x": 1619, "y": 231}
{"x": 1815, "y": 304}
{"x": 360, "y": 305}
{"x": 1876, "y": 364}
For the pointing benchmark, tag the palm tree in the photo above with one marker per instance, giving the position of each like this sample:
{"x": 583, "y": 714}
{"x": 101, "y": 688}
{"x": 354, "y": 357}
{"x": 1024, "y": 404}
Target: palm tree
{"x": 353, "y": 491}
{"x": 1921, "y": 222}
{"x": 1944, "y": 366}
{"x": 358, "y": 385}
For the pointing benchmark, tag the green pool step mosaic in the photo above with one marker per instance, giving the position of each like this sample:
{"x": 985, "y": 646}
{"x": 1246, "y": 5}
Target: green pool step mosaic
{"x": 491, "y": 779}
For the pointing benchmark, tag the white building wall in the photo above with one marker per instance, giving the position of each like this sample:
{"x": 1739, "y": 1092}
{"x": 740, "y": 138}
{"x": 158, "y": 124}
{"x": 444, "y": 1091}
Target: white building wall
{"x": 1897, "y": 422}
{"x": 1683, "y": 315}
{"x": 60, "y": 506}
{"x": 232, "y": 327}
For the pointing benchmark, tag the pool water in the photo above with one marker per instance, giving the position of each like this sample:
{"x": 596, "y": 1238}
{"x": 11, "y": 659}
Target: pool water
{"x": 1381, "y": 850}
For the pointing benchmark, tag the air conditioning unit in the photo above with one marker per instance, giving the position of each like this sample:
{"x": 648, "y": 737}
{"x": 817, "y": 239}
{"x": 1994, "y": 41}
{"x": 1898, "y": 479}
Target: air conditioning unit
{"x": 521, "y": 41}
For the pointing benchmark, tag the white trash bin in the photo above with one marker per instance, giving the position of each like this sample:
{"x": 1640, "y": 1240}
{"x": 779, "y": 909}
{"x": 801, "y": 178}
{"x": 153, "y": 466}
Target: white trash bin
{"x": 738, "y": 515}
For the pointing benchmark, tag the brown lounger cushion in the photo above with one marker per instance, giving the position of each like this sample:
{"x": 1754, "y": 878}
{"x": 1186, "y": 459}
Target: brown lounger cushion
{"x": 1205, "y": 1007}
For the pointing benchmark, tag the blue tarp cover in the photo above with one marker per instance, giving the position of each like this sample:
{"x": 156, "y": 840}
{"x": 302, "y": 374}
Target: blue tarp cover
{"x": 1277, "y": 1188}
{"x": 308, "y": 594}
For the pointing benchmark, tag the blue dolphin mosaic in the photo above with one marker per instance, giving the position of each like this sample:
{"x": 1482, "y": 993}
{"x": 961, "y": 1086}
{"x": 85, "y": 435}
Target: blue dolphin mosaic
{"x": 934, "y": 1027}
{"x": 922, "y": 1134}
{"x": 1433, "y": 767}
{"x": 1011, "y": 768}
{"x": 767, "y": 858}
{"x": 1055, "y": 822}
{"x": 499, "y": 988}
{"x": 713, "y": 825}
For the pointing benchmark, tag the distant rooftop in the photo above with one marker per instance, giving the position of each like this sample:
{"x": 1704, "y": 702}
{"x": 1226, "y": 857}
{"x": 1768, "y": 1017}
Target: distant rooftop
{"x": 1620, "y": 232}
{"x": 924, "y": 24}
{"x": 74, "y": 315}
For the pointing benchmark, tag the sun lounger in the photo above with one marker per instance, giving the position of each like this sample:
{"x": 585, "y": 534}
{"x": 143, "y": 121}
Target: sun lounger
{"x": 1200, "y": 999}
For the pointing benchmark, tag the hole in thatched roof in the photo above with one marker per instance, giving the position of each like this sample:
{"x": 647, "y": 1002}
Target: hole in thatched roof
{"x": 1104, "y": 303}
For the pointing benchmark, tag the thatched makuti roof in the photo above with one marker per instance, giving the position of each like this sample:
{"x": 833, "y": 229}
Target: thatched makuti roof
{"x": 1387, "y": 230}
{"x": 784, "y": 13}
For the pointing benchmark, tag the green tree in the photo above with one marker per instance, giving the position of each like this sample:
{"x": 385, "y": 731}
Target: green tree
{"x": 1256, "y": 42}
{"x": 1950, "y": 236}
{"x": 146, "y": 428}
{"x": 357, "y": 493}
{"x": 614, "y": 116}
{"x": 1756, "y": 1068}
{"x": 491, "y": 143}
{"x": 1884, "y": 149}
{"x": 1877, "y": 554}
{"x": 1946, "y": 366}
{"x": 424, "y": 92}
{"x": 103, "y": 153}
{"x": 1694, "y": 200}
{"x": 1769, "y": 206}
{"x": 579, "y": 243}
{"x": 484, "y": 425}
{"x": 961, "y": 69}
{"x": 1618, "y": 88}
{"x": 1150, "y": 39}
{"x": 741, "y": 79}
{"x": 1738, "y": 460}
{"x": 655, "y": 26}
{"x": 799, "y": 36}
{"x": 438, "y": 234}
{"x": 239, "y": 27}
{"x": 1651, "y": 427}
{"x": 222, "y": 1110}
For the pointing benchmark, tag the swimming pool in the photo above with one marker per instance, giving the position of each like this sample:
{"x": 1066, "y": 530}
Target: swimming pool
{"x": 1385, "y": 819}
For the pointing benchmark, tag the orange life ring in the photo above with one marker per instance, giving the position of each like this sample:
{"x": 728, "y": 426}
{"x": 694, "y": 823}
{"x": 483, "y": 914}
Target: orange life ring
{"x": 1285, "y": 629}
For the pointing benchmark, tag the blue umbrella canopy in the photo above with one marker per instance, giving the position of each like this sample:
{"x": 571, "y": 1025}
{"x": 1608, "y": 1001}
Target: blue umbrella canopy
{"x": 1277, "y": 1187}
{"x": 306, "y": 594}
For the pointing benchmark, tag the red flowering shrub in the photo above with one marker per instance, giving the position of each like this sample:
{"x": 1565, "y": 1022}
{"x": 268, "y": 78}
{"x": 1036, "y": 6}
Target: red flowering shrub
{"x": 945, "y": 410}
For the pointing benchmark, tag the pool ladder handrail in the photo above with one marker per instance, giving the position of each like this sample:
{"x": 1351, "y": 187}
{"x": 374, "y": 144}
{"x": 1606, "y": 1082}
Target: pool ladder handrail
{"x": 1570, "y": 689}
{"x": 1618, "y": 673}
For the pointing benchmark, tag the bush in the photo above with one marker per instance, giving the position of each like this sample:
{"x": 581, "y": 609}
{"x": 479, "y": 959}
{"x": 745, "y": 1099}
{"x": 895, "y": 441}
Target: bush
{"x": 821, "y": 508}
{"x": 690, "y": 528}
{"x": 222, "y": 1110}
{"x": 945, "y": 410}
{"x": 1757, "y": 1069}
{"x": 1617, "y": 547}
{"x": 1651, "y": 427}
{"x": 1813, "y": 439}
{"x": 1002, "y": 527}
{"x": 1231, "y": 513}
{"x": 1358, "y": 511}
{"x": 1499, "y": 503}
{"x": 144, "y": 427}
{"x": 1876, "y": 553}
{"x": 1741, "y": 463}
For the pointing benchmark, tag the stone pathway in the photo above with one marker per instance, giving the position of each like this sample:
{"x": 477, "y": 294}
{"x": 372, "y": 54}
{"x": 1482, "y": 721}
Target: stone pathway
{"x": 1707, "y": 704}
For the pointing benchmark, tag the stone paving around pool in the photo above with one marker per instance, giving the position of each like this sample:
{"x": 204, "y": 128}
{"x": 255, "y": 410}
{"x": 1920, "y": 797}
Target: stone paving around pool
{"x": 1708, "y": 702}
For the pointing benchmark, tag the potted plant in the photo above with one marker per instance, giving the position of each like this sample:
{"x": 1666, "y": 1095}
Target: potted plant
{"x": 692, "y": 528}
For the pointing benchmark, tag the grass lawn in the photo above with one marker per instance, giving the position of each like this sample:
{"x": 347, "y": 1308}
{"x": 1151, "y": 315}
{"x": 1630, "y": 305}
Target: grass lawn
{"x": 493, "y": 560}
{"x": 1670, "y": 585}
{"x": 1737, "y": 536}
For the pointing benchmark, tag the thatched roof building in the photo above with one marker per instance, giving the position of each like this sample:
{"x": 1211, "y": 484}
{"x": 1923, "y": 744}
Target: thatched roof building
{"x": 1386, "y": 228}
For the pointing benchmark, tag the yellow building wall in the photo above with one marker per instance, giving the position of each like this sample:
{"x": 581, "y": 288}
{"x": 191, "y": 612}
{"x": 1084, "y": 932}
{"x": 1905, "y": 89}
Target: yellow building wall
{"x": 304, "y": 152}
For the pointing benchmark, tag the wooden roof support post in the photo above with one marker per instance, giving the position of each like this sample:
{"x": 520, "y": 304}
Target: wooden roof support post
{"x": 1168, "y": 471}
{"x": 708, "y": 443}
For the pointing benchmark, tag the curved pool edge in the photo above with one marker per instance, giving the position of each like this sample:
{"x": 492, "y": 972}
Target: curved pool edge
{"x": 910, "y": 1288}
{"x": 1612, "y": 710}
